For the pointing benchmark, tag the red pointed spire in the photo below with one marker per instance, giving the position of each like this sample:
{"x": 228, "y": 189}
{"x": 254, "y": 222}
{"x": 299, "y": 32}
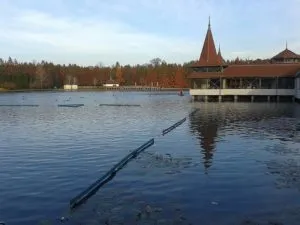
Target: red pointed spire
{"x": 220, "y": 55}
{"x": 209, "y": 56}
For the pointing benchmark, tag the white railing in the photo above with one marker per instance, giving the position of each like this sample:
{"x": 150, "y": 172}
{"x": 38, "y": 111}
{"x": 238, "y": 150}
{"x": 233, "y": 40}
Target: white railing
{"x": 266, "y": 92}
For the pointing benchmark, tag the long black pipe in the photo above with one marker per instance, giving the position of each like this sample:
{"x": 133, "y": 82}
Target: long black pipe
{"x": 92, "y": 189}
{"x": 165, "y": 131}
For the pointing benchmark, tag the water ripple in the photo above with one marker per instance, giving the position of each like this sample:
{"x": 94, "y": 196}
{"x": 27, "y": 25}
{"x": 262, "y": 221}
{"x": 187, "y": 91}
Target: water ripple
{"x": 228, "y": 164}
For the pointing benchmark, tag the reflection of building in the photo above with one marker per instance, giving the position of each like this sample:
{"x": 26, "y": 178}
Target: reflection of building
{"x": 212, "y": 78}
{"x": 206, "y": 130}
{"x": 256, "y": 120}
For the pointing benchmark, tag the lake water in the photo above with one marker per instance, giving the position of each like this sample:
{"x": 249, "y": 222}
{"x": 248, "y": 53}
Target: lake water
{"x": 230, "y": 163}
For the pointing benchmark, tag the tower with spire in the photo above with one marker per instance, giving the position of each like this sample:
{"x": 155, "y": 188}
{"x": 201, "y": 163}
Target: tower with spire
{"x": 210, "y": 60}
{"x": 286, "y": 56}
{"x": 211, "y": 79}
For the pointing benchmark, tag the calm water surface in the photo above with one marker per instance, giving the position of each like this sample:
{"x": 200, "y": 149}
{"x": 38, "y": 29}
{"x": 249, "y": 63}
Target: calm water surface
{"x": 227, "y": 164}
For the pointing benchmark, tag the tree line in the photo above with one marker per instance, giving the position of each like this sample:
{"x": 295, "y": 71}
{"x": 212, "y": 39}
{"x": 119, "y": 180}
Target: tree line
{"x": 47, "y": 75}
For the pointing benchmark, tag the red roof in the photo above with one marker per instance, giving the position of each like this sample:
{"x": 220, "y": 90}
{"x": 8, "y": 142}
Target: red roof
{"x": 286, "y": 54}
{"x": 209, "y": 56}
{"x": 262, "y": 70}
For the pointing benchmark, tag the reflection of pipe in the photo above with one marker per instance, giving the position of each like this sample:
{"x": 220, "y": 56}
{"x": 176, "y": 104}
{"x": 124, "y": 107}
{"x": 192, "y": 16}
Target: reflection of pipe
{"x": 92, "y": 189}
{"x": 192, "y": 113}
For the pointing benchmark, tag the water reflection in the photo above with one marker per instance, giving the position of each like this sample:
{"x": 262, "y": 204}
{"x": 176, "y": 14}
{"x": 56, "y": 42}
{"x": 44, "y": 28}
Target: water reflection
{"x": 60, "y": 151}
{"x": 205, "y": 128}
{"x": 258, "y": 121}
{"x": 287, "y": 173}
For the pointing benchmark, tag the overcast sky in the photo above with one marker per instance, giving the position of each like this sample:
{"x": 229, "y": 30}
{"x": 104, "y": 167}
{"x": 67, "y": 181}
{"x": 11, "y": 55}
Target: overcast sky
{"x": 135, "y": 31}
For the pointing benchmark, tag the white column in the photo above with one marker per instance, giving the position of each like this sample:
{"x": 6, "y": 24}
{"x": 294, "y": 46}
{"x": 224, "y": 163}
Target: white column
{"x": 224, "y": 86}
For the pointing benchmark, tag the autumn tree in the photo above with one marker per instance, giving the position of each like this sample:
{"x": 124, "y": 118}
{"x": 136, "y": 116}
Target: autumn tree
{"x": 119, "y": 74}
{"x": 179, "y": 78}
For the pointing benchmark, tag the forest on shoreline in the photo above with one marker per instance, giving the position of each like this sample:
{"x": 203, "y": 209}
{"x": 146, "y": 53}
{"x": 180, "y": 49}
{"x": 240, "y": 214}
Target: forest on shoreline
{"x": 47, "y": 75}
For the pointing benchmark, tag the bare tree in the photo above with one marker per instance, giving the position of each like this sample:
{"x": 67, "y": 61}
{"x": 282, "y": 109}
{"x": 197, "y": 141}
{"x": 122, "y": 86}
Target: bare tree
{"x": 156, "y": 61}
{"x": 95, "y": 81}
{"x": 100, "y": 65}
{"x": 69, "y": 79}
{"x": 74, "y": 80}
{"x": 41, "y": 74}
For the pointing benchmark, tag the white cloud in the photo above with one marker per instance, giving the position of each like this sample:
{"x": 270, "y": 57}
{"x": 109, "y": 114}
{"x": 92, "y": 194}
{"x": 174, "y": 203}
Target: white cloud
{"x": 91, "y": 37}
{"x": 134, "y": 31}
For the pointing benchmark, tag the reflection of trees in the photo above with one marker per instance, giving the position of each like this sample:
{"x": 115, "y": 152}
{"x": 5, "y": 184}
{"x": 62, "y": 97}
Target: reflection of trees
{"x": 205, "y": 128}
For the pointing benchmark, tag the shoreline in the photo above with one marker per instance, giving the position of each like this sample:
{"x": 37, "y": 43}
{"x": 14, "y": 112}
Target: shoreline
{"x": 100, "y": 89}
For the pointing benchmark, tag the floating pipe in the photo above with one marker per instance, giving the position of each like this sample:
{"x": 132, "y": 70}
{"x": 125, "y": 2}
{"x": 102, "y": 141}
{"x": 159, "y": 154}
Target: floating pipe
{"x": 70, "y": 105}
{"x": 20, "y": 105}
{"x": 192, "y": 113}
{"x": 92, "y": 189}
{"x": 165, "y": 131}
{"x": 120, "y": 105}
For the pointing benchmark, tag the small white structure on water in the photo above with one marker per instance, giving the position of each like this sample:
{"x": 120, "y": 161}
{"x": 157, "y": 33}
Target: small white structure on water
{"x": 70, "y": 87}
{"x": 111, "y": 83}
